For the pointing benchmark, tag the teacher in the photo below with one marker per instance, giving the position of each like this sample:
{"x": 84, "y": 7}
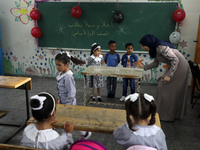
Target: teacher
{"x": 172, "y": 86}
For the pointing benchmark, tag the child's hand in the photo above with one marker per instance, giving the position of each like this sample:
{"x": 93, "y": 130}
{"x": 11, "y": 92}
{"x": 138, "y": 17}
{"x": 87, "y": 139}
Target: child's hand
{"x": 138, "y": 65}
{"x": 68, "y": 127}
{"x": 54, "y": 121}
{"x": 58, "y": 101}
{"x": 166, "y": 79}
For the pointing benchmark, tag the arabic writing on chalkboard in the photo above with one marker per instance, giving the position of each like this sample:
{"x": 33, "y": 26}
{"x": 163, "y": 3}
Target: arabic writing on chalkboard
{"x": 87, "y": 29}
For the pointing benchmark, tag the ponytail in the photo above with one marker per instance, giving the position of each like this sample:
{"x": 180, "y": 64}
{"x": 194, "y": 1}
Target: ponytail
{"x": 153, "y": 113}
{"x": 128, "y": 113}
{"x": 77, "y": 61}
{"x": 65, "y": 58}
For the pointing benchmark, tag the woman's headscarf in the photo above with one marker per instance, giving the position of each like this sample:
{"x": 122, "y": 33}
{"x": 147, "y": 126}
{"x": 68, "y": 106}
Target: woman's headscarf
{"x": 152, "y": 42}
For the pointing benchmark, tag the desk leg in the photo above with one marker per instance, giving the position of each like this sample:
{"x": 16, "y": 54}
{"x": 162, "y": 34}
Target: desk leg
{"x": 138, "y": 85}
{"x": 85, "y": 91}
{"x": 27, "y": 102}
{"x": 28, "y": 116}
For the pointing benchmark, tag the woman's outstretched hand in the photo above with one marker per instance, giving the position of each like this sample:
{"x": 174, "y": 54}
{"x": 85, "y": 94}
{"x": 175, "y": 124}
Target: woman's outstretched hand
{"x": 138, "y": 64}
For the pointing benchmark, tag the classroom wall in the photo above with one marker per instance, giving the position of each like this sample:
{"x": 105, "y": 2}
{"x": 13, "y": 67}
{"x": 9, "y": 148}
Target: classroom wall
{"x": 21, "y": 56}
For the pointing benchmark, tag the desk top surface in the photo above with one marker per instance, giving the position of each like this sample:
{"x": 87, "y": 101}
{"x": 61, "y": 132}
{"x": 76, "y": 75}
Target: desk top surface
{"x": 113, "y": 71}
{"x": 13, "y": 82}
{"x": 94, "y": 119}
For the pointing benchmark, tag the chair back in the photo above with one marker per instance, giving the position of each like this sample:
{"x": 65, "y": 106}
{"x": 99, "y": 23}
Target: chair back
{"x": 195, "y": 73}
{"x": 141, "y": 147}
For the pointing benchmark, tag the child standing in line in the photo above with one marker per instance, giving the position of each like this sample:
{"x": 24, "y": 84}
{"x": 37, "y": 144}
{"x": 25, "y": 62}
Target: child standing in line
{"x": 112, "y": 59}
{"x": 139, "y": 130}
{"x": 127, "y": 61}
{"x": 65, "y": 82}
{"x": 95, "y": 82}
{"x": 41, "y": 135}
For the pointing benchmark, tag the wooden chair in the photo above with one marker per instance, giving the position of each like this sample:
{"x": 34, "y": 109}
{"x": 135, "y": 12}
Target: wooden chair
{"x": 196, "y": 79}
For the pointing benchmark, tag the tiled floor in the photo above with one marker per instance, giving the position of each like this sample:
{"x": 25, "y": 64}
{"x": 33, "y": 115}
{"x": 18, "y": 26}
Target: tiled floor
{"x": 180, "y": 134}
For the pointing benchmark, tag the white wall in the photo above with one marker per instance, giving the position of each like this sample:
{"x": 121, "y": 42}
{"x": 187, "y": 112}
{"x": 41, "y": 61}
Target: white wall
{"x": 22, "y": 56}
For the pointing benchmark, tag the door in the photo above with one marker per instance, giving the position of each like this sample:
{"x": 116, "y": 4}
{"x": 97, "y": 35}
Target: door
{"x": 196, "y": 59}
{"x": 197, "y": 50}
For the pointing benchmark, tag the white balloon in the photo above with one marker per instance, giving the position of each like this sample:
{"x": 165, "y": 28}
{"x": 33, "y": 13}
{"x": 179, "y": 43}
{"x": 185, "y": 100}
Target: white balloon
{"x": 175, "y": 37}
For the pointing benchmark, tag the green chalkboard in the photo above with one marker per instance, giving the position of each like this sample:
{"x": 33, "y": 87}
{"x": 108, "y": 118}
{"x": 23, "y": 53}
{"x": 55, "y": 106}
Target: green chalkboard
{"x": 60, "y": 29}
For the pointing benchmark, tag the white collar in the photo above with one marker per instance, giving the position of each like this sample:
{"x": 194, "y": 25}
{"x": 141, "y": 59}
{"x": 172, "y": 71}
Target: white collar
{"x": 44, "y": 135}
{"x": 147, "y": 131}
{"x": 99, "y": 58}
{"x": 60, "y": 76}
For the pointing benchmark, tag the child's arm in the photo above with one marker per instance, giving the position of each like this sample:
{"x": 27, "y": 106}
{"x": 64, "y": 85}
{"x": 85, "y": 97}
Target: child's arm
{"x": 122, "y": 61}
{"x": 105, "y": 57}
{"x": 160, "y": 139}
{"x": 122, "y": 135}
{"x": 70, "y": 89}
{"x": 65, "y": 140}
{"x": 118, "y": 57}
{"x": 135, "y": 58}
{"x": 103, "y": 61}
{"x": 89, "y": 61}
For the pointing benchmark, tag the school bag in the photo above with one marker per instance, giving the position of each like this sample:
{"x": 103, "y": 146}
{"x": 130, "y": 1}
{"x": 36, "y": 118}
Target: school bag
{"x": 140, "y": 147}
{"x": 87, "y": 145}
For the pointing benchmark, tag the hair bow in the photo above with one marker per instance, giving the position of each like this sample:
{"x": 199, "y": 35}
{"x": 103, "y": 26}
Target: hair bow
{"x": 134, "y": 97}
{"x": 41, "y": 100}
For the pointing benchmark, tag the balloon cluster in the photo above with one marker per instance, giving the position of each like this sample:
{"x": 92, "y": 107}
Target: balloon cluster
{"x": 178, "y": 15}
{"x": 36, "y": 31}
{"x": 175, "y": 37}
{"x": 118, "y": 16}
{"x": 76, "y": 12}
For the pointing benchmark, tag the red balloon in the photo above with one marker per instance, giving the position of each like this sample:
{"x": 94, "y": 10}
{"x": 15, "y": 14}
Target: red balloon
{"x": 35, "y": 14}
{"x": 36, "y": 32}
{"x": 178, "y": 15}
{"x": 76, "y": 12}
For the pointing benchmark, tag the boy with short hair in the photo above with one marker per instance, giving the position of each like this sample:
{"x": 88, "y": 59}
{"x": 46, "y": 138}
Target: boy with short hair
{"x": 127, "y": 61}
{"x": 112, "y": 59}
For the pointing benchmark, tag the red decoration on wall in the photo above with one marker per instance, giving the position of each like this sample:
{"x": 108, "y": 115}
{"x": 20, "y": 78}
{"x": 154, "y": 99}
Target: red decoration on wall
{"x": 178, "y": 15}
{"x": 76, "y": 12}
{"x": 36, "y": 32}
{"x": 35, "y": 14}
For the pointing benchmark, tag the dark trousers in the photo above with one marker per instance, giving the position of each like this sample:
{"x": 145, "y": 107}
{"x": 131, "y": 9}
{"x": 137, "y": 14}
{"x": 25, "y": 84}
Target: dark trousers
{"x": 125, "y": 85}
{"x": 111, "y": 86}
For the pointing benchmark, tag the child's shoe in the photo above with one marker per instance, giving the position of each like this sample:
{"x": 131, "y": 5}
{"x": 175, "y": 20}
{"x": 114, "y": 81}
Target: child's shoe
{"x": 92, "y": 98}
{"x": 122, "y": 99}
{"x": 86, "y": 136}
{"x": 99, "y": 98}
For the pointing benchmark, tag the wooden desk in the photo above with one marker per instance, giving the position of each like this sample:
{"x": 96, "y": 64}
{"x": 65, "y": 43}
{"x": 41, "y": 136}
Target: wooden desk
{"x": 17, "y": 83}
{"x": 15, "y": 147}
{"x": 111, "y": 72}
{"x": 94, "y": 119}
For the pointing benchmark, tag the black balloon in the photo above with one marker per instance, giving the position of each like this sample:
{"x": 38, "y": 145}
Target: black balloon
{"x": 118, "y": 16}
